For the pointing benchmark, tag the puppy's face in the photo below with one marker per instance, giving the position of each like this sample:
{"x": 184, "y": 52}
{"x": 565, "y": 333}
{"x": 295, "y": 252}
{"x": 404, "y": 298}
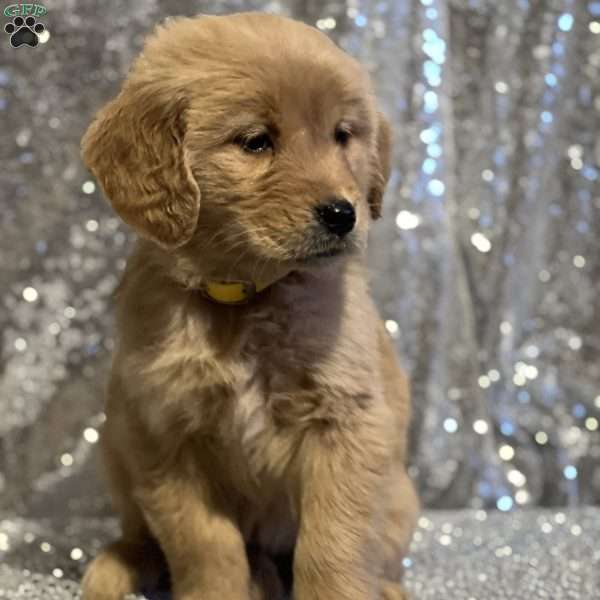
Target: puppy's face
{"x": 243, "y": 143}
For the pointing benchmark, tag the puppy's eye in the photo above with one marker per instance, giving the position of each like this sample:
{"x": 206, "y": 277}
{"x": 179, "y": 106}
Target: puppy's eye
{"x": 257, "y": 143}
{"x": 342, "y": 136}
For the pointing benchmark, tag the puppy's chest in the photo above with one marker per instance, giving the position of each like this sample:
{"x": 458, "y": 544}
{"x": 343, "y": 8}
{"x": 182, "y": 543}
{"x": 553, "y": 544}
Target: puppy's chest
{"x": 283, "y": 373}
{"x": 273, "y": 404}
{"x": 286, "y": 382}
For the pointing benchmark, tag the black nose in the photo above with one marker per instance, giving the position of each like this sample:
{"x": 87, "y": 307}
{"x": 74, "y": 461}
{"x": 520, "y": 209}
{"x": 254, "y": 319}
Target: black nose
{"x": 337, "y": 215}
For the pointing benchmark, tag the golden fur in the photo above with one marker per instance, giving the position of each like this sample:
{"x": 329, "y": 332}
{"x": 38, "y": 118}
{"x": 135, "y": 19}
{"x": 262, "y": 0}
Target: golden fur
{"x": 238, "y": 433}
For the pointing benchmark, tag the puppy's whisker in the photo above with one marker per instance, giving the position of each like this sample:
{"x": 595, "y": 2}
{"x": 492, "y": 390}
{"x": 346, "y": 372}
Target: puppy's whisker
{"x": 222, "y": 233}
{"x": 241, "y": 242}
{"x": 224, "y": 236}
{"x": 258, "y": 267}
{"x": 231, "y": 270}
{"x": 242, "y": 239}
{"x": 262, "y": 269}
{"x": 239, "y": 258}
{"x": 255, "y": 271}
{"x": 243, "y": 236}
{"x": 214, "y": 238}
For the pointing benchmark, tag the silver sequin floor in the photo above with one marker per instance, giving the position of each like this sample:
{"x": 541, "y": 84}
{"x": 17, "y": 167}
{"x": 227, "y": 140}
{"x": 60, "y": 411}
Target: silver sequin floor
{"x": 461, "y": 555}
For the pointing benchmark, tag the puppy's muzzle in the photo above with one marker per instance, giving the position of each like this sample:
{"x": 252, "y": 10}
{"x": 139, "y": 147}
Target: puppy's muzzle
{"x": 337, "y": 215}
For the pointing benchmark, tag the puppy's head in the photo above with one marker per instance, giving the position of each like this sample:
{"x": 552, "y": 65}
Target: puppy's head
{"x": 243, "y": 142}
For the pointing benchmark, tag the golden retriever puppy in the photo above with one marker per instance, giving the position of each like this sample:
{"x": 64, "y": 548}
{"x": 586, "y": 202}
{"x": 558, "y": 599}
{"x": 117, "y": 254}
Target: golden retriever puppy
{"x": 255, "y": 408}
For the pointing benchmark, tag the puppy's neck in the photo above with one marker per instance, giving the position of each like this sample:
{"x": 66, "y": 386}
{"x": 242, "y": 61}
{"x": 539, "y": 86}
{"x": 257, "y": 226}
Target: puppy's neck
{"x": 218, "y": 281}
{"x": 225, "y": 286}
{"x": 234, "y": 291}
{"x": 222, "y": 286}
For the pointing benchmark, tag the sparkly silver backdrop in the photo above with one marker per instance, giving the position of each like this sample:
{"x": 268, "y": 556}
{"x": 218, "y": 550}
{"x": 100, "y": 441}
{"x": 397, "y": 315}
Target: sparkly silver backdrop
{"x": 485, "y": 266}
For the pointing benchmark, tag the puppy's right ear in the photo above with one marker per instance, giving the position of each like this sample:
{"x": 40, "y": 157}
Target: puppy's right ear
{"x": 381, "y": 165}
{"x": 135, "y": 148}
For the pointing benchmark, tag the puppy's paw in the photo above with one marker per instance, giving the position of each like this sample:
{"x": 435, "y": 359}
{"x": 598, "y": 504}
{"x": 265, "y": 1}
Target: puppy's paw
{"x": 110, "y": 576}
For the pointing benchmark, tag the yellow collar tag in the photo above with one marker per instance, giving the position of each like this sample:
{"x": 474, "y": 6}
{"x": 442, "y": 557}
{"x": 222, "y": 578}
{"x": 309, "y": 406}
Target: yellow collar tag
{"x": 229, "y": 292}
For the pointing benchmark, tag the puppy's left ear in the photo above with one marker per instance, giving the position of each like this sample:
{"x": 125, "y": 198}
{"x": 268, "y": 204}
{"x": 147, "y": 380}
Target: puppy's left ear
{"x": 380, "y": 165}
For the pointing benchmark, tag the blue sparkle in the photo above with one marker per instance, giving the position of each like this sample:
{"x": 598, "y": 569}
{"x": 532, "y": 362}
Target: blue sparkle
{"x": 499, "y": 157}
{"x": 429, "y": 166}
{"x": 558, "y": 48}
{"x": 426, "y": 2}
{"x": 431, "y": 102}
{"x": 435, "y": 51}
{"x": 590, "y": 173}
{"x": 434, "y": 46}
{"x": 450, "y": 425}
{"x": 582, "y": 227}
{"x": 434, "y": 150}
{"x": 430, "y": 135}
{"x": 432, "y": 71}
{"x": 551, "y": 79}
{"x": 431, "y": 13}
{"x": 429, "y": 35}
{"x": 565, "y": 22}
{"x": 555, "y": 210}
{"x": 485, "y": 221}
{"x": 91, "y": 349}
{"x": 546, "y": 117}
{"x": 559, "y": 70}
{"x": 360, "y": 20}
{"x": 436, "y": 187}
{"x": 594, "y": 8}
{"x": 523, "y": 396}
{"x": 507, "y": 428}
{"x": 485, "y": 489}
{"x": 508, "y": 260}
{"x": 407, "y": 562}
{"x": 4, "y": 77}
{"x": 504, "y": 503}
{"x": 579, "y": 411}
{"x": 570, "y": 472}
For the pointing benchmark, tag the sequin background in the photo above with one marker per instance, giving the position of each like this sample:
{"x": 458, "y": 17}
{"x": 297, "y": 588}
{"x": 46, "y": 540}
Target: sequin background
{"x": 485, "y": 267}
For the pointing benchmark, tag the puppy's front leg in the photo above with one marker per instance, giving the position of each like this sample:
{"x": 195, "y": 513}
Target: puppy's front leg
{"x": 343, "y": 472}
{"x": 201, "y": 541}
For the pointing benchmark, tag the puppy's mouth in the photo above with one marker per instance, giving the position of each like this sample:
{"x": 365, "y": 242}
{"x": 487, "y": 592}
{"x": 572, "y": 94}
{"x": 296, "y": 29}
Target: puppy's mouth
{"x": 322, "y": 254}
{"x": 319, "y": 249}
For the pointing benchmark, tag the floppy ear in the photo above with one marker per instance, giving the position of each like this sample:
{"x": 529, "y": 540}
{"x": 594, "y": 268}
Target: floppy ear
{"x": 135, "y": 148}
{"x": 380, "y": 165}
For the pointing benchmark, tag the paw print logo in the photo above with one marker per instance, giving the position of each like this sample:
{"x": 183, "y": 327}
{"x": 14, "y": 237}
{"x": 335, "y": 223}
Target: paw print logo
{"x": 24, "y": 31}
